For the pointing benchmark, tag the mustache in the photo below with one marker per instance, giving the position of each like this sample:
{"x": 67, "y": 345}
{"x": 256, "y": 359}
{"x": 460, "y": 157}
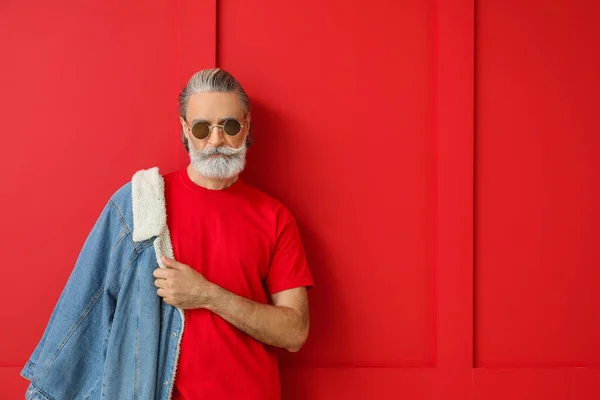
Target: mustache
{"x": 222, "y": 150}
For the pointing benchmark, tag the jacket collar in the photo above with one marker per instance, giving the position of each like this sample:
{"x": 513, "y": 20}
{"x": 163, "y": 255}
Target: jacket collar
{"x": 148, "y": 203}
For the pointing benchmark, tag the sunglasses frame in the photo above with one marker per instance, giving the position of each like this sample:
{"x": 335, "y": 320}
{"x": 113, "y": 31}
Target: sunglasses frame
{"x": 221, "y": 126}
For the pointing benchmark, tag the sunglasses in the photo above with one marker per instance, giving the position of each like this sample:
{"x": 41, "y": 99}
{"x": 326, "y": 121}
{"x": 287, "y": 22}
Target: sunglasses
{"x": 230, "y": 126}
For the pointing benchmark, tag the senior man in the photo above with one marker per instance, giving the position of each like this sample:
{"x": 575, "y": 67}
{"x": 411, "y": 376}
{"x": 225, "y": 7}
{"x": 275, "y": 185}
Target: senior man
{"x": 235, "y": 247}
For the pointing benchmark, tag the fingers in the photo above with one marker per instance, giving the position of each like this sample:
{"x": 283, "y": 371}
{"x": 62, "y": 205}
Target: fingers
{"x": 168, "y": 261}
{"x": 161, "y": 273}
{"x": 161, "y": 293}
{"x": 171, "y": 263}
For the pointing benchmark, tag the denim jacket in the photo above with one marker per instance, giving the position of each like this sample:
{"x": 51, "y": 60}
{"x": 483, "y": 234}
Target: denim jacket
{"x": 110, "y": 335}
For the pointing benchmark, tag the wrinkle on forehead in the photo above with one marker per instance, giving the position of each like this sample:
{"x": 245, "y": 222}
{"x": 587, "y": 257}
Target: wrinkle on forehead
{"x": 214, "y": 107}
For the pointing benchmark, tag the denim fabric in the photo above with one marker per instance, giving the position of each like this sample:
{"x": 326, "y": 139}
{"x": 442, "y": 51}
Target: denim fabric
{"x": 110, "y": 336}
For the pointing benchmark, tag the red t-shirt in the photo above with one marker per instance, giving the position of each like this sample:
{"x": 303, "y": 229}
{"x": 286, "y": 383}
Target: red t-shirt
{"x": 248, "y": 243}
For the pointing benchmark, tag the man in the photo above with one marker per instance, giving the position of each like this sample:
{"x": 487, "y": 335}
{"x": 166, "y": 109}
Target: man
{"x": 231, "y": 242}
{"x": 186, "y": 282}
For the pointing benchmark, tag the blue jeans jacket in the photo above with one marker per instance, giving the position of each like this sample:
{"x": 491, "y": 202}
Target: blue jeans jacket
{"x": 110, "y": 335}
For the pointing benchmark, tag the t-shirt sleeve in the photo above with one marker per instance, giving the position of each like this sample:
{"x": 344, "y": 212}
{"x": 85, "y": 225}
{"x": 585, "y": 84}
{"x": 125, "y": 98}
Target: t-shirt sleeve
{"x": 288, "y": 268}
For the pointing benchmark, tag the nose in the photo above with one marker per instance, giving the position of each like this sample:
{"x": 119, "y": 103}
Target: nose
{"x": 216, "y": 138}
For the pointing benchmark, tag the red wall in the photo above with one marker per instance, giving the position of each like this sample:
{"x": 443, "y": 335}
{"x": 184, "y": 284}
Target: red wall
{"x": 537, "y": 193}
{"x": 441, "y": 158}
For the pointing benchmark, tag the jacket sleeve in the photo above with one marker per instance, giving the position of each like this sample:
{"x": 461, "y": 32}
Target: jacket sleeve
{"x": 85, "y": 307}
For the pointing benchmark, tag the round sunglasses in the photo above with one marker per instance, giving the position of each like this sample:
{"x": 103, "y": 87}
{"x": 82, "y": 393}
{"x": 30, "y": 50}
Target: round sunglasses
{"x": 230, "y": 126}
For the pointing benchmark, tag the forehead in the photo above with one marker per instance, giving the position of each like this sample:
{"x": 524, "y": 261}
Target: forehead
{"x": 213, "y": 106}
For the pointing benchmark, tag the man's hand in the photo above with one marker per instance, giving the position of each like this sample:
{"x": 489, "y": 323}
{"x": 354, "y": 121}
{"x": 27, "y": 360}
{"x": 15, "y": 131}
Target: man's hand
{"x": 181, "y": 286}
{"x": 284, "y": 324}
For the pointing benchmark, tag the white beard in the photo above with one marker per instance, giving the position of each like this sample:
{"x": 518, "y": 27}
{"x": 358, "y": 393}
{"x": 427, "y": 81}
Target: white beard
{"x": 231, "y": 162}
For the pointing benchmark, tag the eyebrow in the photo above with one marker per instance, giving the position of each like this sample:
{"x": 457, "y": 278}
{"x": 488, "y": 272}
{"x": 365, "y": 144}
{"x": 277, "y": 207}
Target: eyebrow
{"x": 219, "y": 122}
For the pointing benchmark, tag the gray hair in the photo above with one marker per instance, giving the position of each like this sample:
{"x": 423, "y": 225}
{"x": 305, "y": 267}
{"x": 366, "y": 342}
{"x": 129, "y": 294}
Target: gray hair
{"x": 211, "y": 80}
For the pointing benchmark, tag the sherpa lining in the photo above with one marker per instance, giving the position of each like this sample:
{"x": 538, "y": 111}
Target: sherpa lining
{"x": 149, "y": 211}
{"x": 149, "y": 220}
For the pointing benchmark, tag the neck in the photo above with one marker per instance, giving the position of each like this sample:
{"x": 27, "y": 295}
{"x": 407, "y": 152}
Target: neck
{"x": 210, "y": 183}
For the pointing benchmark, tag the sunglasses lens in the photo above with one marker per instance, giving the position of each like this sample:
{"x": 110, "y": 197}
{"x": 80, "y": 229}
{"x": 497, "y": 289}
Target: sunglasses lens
{"x": 232, "y": 127}
{"x": 200, "y": 130}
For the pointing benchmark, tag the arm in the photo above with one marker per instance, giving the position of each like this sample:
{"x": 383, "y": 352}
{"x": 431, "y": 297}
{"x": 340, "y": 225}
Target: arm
{"x": 284, "y": 324}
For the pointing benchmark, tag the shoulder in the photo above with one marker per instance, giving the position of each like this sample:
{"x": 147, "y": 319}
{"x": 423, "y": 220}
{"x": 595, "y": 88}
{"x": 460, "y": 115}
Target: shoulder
{"x": 168, "y": 177}
{"x": 143, "y": 184}
{"x": 268, "y": 204}
{"x": 150, "y": 181}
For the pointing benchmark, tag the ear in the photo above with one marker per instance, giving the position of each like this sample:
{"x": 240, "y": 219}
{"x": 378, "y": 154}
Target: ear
{"x": 248, "y": 119}
{"x": 184, "y": 128}
{"x": 183, "y": 124}
{"x": 248, "y": 138}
